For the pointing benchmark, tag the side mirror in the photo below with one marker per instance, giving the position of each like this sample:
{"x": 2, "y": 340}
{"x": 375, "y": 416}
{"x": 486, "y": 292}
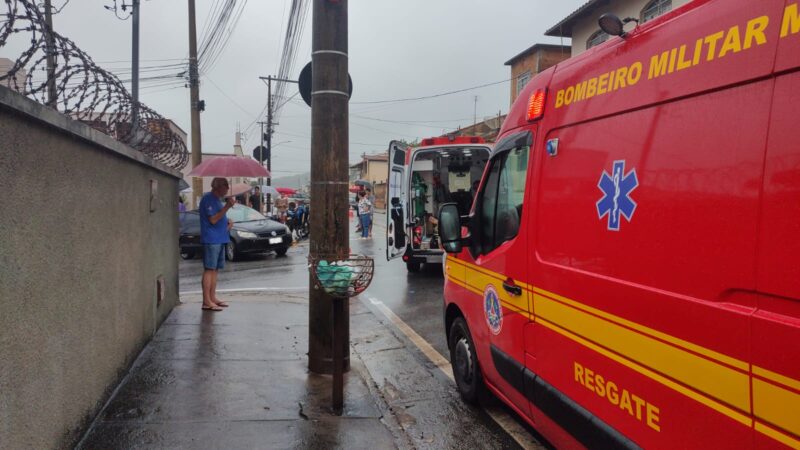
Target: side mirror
{"x": 450, "y": 228}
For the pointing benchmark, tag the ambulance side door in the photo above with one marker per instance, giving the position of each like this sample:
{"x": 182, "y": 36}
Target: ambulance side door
{"x": 396, "y": 201}
{"x": 499, "y": 245}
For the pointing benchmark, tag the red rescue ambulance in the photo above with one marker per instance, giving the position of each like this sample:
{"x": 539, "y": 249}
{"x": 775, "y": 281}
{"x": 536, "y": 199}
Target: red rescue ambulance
{"x": 628, "y": 275}
{"x": 422, "y": 178}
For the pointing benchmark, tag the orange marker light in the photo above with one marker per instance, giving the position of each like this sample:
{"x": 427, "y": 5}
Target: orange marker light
{"x": 536, "y": 105}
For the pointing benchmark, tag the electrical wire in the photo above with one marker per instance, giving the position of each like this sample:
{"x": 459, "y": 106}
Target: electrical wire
{"x": 426, "y": 97}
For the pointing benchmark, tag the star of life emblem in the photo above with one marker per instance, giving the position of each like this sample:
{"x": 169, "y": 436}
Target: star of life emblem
{"x": 617, "y": 202}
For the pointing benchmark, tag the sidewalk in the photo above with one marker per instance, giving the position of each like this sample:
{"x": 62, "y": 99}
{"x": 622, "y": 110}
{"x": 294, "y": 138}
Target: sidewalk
{"x": 239, "y": 379}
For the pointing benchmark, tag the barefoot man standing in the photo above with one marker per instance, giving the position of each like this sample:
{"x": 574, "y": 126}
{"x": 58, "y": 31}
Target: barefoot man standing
{"x": 214, "y": 226}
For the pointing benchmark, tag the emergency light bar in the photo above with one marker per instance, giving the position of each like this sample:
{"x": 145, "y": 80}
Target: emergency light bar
{"x": 452, "y": 140}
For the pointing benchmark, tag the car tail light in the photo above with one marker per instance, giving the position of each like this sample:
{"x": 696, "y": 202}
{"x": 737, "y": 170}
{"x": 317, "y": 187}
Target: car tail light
{"x": 536, "y": 105}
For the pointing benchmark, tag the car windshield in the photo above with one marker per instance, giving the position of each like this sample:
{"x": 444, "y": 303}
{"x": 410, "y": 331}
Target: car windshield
{"x": 240, "y": 213}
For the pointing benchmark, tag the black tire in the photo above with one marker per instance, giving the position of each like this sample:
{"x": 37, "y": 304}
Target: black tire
{"x": 281, "y": 251}
{"x": 413, "y": 266}
{"x": 230, "y": 251}
{"x": 187, "y": 254}
{"x": 464, "y": 360}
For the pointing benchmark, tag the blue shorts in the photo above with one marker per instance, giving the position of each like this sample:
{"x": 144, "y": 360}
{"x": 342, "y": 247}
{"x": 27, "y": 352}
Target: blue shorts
{"x": 214, "y": 256}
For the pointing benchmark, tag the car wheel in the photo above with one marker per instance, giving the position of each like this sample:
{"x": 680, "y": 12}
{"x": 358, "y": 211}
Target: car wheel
{"x": 464, "y": 360}
{"x": 282, "y": 251}
{"x": 413, "y": 266}
{"x": 187, "y": 254}
{"x": 230, "y": 251}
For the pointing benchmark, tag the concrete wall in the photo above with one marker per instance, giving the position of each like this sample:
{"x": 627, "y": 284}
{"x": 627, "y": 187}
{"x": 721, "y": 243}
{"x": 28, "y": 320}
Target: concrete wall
{"x": 80, "y": 252}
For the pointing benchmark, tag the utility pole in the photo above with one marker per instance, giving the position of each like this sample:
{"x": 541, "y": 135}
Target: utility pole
{"x": 261, "y": 161}
{"x": 329, "y": 340}
{"x": 269, "y": 80}
{"x": 135, "y": 68}
{"x": 194, "y": 87}
{"x": 51, "y": 55}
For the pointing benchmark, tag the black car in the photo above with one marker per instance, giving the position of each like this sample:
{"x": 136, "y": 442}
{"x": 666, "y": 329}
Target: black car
{"x": 251, "y": 233}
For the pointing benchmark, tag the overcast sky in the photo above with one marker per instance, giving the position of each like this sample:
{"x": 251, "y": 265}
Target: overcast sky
{"x": 398, "y": 49}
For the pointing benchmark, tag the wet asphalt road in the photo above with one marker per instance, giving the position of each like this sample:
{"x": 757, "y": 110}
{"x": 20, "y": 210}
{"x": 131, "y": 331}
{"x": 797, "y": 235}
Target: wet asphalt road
{"x": 416, "y": 299}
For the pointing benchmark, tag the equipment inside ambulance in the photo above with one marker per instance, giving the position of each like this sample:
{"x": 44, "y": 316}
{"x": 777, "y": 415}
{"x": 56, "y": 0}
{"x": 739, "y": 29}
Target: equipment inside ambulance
{"x": 421, "y": 179}
{"x": 627, "y": 276}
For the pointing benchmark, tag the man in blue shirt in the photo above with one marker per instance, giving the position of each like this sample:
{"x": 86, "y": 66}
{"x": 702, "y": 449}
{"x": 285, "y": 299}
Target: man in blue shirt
{"x": 214, "y": 226}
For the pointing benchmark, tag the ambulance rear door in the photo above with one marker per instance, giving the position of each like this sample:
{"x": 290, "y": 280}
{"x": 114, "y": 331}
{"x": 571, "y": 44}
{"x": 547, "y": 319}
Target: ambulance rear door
{"x": 396, "y": 201}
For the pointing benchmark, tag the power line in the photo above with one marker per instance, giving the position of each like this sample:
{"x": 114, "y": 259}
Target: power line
{"x": 226, "y": 96}
{"x": 412, "y": 99}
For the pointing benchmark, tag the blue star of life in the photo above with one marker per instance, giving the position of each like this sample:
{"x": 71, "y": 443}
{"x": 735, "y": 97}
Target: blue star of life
{"x": 617, "y": 187}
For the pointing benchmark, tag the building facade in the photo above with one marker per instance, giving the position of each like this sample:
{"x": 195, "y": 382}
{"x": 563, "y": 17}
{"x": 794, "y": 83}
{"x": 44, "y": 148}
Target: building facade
{"x": 581, "y": 26}
{"x": 533, "y": 61}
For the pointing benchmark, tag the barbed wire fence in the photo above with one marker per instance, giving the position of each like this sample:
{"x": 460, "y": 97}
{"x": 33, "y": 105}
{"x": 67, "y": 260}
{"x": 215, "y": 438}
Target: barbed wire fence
{"x": 84, "y": 91}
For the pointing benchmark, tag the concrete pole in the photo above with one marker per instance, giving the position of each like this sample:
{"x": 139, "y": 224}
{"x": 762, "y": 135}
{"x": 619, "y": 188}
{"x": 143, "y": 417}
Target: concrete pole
{"x": 330, "y": 234}
{"x": 135, "y": 66}
{"x": 194, "y": 88}
{"x": 51, "y": 56}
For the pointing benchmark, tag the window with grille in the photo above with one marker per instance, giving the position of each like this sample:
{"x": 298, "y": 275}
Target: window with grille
{"x": 655, "y": 9}
{"x": 522, "y": 80}
{"x": 597, "y": 38}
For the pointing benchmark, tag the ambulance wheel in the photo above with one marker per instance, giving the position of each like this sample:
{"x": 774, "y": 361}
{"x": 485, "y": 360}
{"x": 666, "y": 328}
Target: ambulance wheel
{"x": 413, "y": 266}
{"x": 464, "y": 360}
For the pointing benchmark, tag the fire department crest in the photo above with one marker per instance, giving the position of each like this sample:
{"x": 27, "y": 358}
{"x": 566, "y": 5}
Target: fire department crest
{"x": 492, "y": 309}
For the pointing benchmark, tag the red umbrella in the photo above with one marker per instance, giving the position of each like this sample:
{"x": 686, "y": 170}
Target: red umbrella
{"x": 287, "y": 191}
{"x": 229, "y": 166}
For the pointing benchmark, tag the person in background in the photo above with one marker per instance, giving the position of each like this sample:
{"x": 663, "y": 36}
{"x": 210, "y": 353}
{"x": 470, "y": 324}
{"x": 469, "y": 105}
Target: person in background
{"x": 364, "y": 213}
{"x": 282, "y": 204}
{"x": 181, "y": 204}
{"x": 371, "y": 199}
{"x": 299, "y": 217}
{"x": 255, "y": 199}
{"x": 214, "y": 229}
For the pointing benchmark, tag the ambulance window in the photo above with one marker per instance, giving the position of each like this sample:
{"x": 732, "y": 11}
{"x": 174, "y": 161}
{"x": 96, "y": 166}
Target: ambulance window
{"x": 501, "y": 207}
{"x": 489, "y": 206}
{"x": 597, "y": 38}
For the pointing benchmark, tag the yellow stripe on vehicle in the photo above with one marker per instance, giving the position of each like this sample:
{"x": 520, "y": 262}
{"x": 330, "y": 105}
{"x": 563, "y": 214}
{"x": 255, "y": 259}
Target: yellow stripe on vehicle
{"x": 779, "y": 436}
{"x": 776, "y": 377}
{"x": 480, "y": 280}
{"x": 723, "y": 383}
{"x": 710, "y": 402}
{"x": 776, "y": 405}
{"x": 649, "y": 331}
